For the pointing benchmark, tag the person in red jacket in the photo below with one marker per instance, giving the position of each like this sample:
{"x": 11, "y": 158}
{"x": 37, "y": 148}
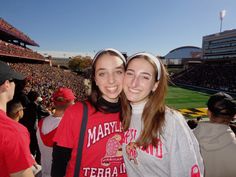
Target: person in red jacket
{"x": 15, "y": 157}
{"x": 102, "y": 153}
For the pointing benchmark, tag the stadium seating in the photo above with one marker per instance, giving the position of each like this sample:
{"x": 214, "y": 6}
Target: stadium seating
{"x": 215, "y": 76}
{"x": 8, "y": 49}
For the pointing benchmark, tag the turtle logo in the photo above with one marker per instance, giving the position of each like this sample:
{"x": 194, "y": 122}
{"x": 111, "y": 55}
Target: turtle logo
{"x": 113, "y": 151}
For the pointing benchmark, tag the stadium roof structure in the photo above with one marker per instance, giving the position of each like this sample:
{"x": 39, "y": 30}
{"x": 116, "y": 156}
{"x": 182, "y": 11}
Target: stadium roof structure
{"x": 184, "y": 52}
{"x": 7, "y": 31}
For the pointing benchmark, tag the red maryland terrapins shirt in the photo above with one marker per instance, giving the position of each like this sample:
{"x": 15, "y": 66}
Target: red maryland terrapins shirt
{"x": 102, "y": 154}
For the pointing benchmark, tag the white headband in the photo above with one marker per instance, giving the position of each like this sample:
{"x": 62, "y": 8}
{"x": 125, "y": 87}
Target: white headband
{"x": 153, "y": 58}
{"x": 112, "y": 50}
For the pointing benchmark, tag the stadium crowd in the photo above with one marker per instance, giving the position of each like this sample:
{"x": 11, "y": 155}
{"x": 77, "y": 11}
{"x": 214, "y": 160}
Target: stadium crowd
{"x": 44, "y": 79}
{"x": 211, "y": 76}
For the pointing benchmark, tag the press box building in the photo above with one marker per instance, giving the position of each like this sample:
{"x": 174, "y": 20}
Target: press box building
{"x": 219, "y": 46}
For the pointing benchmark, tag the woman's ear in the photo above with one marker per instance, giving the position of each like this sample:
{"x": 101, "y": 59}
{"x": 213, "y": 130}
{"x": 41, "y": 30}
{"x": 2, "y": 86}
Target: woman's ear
{"x": 155, "y": 86}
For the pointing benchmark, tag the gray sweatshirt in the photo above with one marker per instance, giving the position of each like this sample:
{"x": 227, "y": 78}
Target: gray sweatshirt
{"x": 218, "y": 148}
{"x": 177, "y": 153}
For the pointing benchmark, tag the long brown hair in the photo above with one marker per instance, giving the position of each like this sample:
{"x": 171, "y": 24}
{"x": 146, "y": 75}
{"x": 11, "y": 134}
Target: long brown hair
{"x": 153, "y": 115}
{"x": 95, "y": 92}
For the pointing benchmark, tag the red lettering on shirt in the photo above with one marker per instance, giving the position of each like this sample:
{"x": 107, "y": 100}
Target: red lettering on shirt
{"x": 130, "y": 137}
{"x": 195, "y": 172}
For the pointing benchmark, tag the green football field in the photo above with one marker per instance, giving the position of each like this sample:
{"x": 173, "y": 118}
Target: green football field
{"x": 180, "y": 98}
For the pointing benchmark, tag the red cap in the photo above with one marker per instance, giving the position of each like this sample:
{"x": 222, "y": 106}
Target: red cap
{"x": 63, "y": 96}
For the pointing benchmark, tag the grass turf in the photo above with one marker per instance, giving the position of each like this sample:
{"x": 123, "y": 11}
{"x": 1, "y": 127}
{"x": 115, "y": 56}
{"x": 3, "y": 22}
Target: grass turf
{"x": 180, "y": 98}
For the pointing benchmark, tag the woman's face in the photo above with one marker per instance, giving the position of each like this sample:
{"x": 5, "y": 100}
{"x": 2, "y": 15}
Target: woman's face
{"x": 139, "y": 80}
{"x": 109, "y": 74}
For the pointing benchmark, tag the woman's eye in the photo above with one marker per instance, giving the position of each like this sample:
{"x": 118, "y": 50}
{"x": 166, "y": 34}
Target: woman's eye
{"x": 101, "y": 74}
{"x": 119, "y": 72}
{"x": 129, "y": 73}
{"x": 146, "y": 77}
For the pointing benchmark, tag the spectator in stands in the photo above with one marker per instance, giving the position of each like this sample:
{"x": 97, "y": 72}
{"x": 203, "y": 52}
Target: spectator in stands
{"x": 192, "y": 123}
{"x": 20, "y": 94}
{"x": 199, "y": 118}
{"x": 158, "y": 141}
{"x": 32, "y": 114}
{"x": 15, "y": 110}
{"x": 101, "y": 153}
{"x": 15, "y": 157}
{"x": 62, "y": 99}
{"x": 217, "y": 140}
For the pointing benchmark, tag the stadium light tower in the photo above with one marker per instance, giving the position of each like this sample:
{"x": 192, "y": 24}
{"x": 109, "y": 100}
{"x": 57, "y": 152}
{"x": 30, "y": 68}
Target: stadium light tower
{"x": 222, "y": 15}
